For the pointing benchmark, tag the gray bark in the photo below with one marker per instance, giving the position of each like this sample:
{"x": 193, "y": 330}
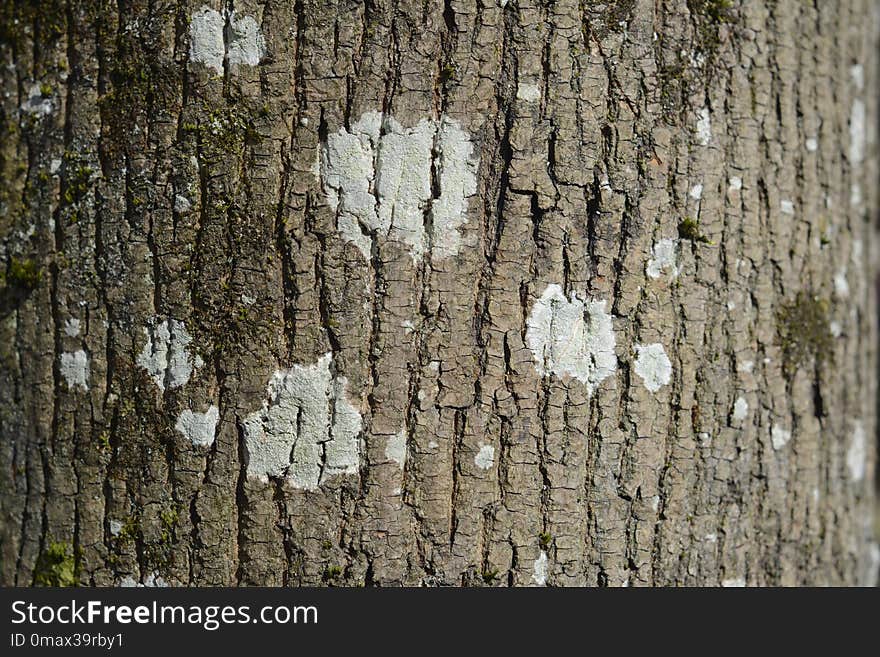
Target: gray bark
{"x": 180, "y": 224}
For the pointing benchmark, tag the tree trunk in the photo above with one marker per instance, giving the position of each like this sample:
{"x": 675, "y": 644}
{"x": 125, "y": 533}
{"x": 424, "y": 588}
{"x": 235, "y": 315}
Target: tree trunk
{"x": 469, "y": 293}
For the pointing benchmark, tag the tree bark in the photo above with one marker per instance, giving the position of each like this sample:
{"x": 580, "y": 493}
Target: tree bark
{"x": 441, "y": 293}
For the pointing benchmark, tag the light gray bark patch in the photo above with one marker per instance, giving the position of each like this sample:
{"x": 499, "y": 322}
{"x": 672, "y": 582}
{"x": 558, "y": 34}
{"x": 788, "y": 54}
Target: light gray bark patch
{"x": 740, "y": 409}
{"x": 704, "y": 127}
{"x": 199, "y": 427}
{"x": 395, "y": 448}
{"x": 307, "y": 430}
{"x": 857, "y": 132}
{"x": 71, "y": 327}
{"x": 246, "y": 43}
{"x": 207, "y": 45}
{"x": 779, "y": 436}
{"x": 653, "y": 365}
{"x": 571, "y": 337}
{"x": 664, "y": 255}
{"x": 529, "y": 93}
{"x": 181, "y": 204}
{"x": 208, "y": 39}
{"x": 75, "y": 369}
{"x": 166, "y": 356}
{"x": 857, "y": 454}
{"x": 539, "y": 575}
{"x": 377, "y": 178}
{"x": 485, "y": 457}
{"x": 37, "y": 103}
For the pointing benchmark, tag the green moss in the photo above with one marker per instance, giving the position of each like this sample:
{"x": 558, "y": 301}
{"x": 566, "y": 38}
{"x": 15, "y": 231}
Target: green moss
{"x": 77, "y": 180}
{"x": 715, "y": 12}
{"x": 709, "y": 16}
{"x": 332, "y": 573}
{"x": 803, "y": 331}
{"x": 544, "y": 538}
{"x": 136, "y": 85}
{"x": 602, "y": 17}
{"x": 689, "y": 229}
{"x": 682, "y": 73}
{"x": 23, "y": 274}
{"x": 47, "y": 17}
{"x": 104, "y": 441}
{"x": 489, "y": 576}
{"x": 56, "y": 566}
{"x": 448, "y": 72}
{"x": 129, "y": 530}
{"x": 169, "y": 518}
{"x": 675, "y": 82}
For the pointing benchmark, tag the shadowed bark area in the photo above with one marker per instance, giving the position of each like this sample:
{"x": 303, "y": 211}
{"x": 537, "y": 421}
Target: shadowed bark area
{"x": 445, "y": 293}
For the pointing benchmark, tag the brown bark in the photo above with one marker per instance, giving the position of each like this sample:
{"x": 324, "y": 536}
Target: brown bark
{"x": 744, "y": 133}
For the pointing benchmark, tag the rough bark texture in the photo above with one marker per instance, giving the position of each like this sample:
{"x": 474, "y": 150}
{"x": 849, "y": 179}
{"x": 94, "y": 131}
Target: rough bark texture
{"x": 170, "y": 242}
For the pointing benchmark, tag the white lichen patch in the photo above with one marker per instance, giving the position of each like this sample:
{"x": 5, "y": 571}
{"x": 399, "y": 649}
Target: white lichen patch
{"x": 653, "y": 365}
{"x": 855, "y": 194}
{"x": 74, "y": 368}
{"x": 779, "y": 437}
{"x": 836, "y": 328}
{"x": 246, "y": 43}
{"x": 856, "y": 454}
{"x": 530, "y": 93}
{"x": 200, "y": 428}
{"x": 857, "y": 118}
{"x": 740, "y": 409}
{"x": 485, "y": 457}
{"x": 872, "y": 572}
{"x": 734, "y": 582}
{"x": 734, "y": 184}
{"x": 115, "y": 527}
{"x": 181, "y": 204}
{"x": 71, "y": 327}
{"x": 696, "y": 192}
{"x": 571, "y": 337}
{"x": 377, "y": 177}
{"x": 307, "y": 430}
{"x": 395, "y": 448}
{"x": 208, "y": 33}
{"x": 841, "y": 285}
{"x": 704, "y": 127}
{"x": 207, "y": 45}
{"x": 539, "y": 574}
{"x": 786, "y": 207}
{"x": 857, "y": 73}
{"x": 165, "y": 356}
{"x": 812, "y": 144}
{"x": 36, "y": 103}
{"x": 857, "y": 252}
{"x": 664, "y": 255}
{"x": 152, "y": 580}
